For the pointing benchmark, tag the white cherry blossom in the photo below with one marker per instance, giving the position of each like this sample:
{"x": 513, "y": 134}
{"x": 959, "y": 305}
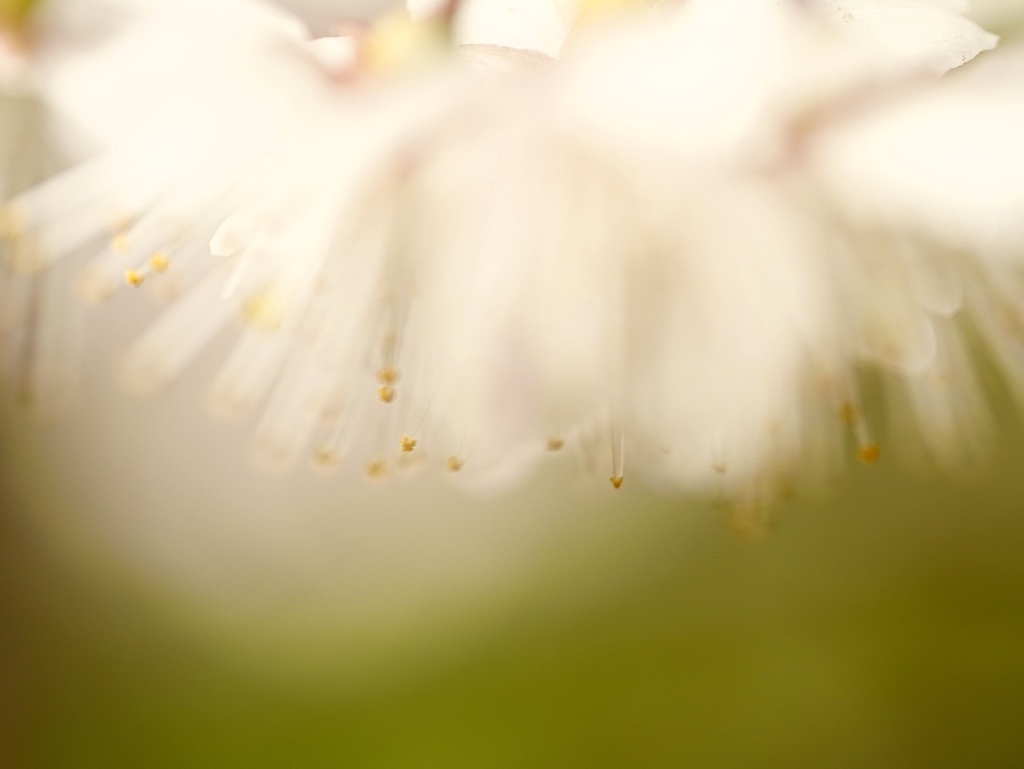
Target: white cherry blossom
{"x": 644, "y": 252}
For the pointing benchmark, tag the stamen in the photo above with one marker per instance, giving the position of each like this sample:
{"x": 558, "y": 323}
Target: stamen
{"x": 386, "y": 394}
{"x": 159, "y": 262}
{"x": 176, "y": 337}
{"x": 748, "y": 518}
{"x": 264, "y": 310}
{"x": 867, "y": 450}
{"x": 454, "y": 464}
{"x": 555, "y": 443}
{"x": 719, "y": 464}
{"x": 407, "y": 443}
{"x": 396, "y": 42}
{"x": 387, "y": 374}
{"x": 590, "y": 11}
{"x": 135, "y": 276}
{"x": 325, "y": 458}
{"x": 848, "y": 414}
{"x": 376, "y": 470}
{"x": 869, "y": 453}
{"x": 618, "y": 452}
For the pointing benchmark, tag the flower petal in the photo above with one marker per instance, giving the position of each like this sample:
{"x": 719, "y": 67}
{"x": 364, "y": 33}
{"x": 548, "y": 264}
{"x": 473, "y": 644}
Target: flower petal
{"x": 535, "y": 25}
{"x": 947, "y": 163}
{"x": 933, "y": 32}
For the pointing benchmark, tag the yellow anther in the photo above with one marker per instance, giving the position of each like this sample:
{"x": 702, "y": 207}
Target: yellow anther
{"x": 120, "y": 243}
{"x": 397, "y": 42}
{"x": 454, "y": 464}
{"x": 158, "y": 262}
{"x": 265, "y": 310}
{"x": 616, "y": 480}
{"x": 133, "y": 277}
{"x": 387, "y": 376}
{"x": 325, "y": 457}
{"x": 748, "y": 519}
{"x": 385, "y": 394}
{"x": 555, "y": 443}
{"x": 407, "y": 443}
{"x": 594, "y": 10}
{"x": 376, "y": 470}
{"x": 869, "y": 453}
{"x": 848, "y": 414}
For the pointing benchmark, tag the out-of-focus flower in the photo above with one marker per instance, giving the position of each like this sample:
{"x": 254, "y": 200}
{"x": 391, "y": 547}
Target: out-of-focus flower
{"x": 650, "y": 257}
{"x": 930, "y": 182}
{"x": 474, "y": 258}
{"x": 40, "y": 343}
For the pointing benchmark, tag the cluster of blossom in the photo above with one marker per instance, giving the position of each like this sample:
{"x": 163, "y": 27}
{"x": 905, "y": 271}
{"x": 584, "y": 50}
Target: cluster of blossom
{"x": 472, "y": 234}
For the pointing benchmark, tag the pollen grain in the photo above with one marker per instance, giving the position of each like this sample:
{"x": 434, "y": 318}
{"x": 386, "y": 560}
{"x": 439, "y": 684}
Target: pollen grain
{"x": 376, "y": 470}
{"x": 869, "y": 453}
{"x": 159, "y": 262}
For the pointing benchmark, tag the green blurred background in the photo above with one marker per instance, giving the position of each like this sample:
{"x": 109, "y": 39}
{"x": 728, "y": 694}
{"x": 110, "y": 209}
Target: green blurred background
{"x": 882, "y": 626}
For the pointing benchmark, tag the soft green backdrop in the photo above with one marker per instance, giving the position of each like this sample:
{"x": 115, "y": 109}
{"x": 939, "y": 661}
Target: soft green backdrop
{"x": 882, "y": 627}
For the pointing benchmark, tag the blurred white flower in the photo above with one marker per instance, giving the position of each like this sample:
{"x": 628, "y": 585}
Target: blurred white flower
{"x": 472, "y": 259}
{"x": 73, "y": 57}
{"x": 40, "y": 346}
{"x": 662, "y": 280}
{"x": 944, "y": 162}
{"x": 930, "y": 180}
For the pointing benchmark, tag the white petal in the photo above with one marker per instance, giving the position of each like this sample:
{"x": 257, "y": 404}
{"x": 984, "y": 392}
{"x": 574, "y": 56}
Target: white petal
{"x": 932, "y": 32}
{"x": 947, "y": 163}
{"x": 426, "y": 9}
{"x": 179, "y": 53}
{"x": 536, "y": 25}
